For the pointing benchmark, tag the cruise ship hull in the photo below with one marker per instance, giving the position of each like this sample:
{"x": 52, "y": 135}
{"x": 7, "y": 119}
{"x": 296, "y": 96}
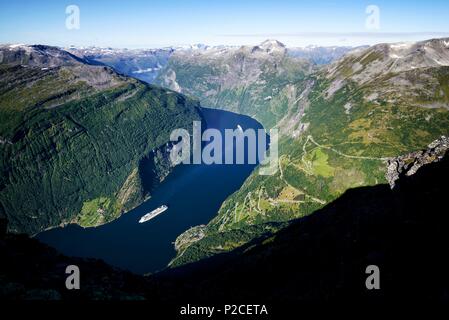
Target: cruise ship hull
{"x": 153, "y": 214}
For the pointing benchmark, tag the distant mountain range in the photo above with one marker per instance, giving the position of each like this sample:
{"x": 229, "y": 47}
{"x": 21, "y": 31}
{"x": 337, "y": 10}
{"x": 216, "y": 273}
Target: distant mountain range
{"x": 145, "y": 64}
{"x": 141, "y": 64}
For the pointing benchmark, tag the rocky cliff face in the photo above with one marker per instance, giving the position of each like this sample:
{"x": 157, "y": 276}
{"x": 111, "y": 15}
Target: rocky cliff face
{"x": 250, "y": 79}
{"x": 155, "y": 167}
{"x": 409, "y": 164}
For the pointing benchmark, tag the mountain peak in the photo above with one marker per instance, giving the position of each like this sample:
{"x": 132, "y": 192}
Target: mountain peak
{"x": 273, "y": 46}
{"x": 364, "y": 65}
{"x": 270, "y": 47}
{"x": 271, "y": 43}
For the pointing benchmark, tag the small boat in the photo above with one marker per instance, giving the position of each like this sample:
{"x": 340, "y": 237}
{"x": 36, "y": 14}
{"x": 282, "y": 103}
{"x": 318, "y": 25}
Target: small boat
{"x": 153, "y": 214}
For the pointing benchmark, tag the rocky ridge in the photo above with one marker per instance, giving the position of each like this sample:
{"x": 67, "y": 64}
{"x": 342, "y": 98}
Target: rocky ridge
{"x": 410, "y": 163}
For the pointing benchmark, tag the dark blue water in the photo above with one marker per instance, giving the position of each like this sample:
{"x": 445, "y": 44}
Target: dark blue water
{"x": 193, "y": 193}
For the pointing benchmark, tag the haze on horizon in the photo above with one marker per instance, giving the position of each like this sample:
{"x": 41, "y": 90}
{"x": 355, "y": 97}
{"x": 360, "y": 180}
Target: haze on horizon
{"x": 158, "y": 23}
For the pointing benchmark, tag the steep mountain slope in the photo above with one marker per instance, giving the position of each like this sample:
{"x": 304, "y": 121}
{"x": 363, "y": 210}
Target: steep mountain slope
{"x": 74, "y": 138}
{"x": 323, "y": 257}
{"x": 319, "y": 258}
{"x": 341, "y": 125}
{"x": 251, "y": 80}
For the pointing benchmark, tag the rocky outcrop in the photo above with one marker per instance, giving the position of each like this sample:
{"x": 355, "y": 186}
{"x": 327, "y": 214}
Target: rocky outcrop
{"x": 410, "y": 163}
{"x": 4, "y": 141}
{"x": 154, "y": 168}
{"x": 169, "y": 81}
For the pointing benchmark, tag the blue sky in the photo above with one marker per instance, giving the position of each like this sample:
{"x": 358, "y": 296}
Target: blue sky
{"x": 155, "y": 23}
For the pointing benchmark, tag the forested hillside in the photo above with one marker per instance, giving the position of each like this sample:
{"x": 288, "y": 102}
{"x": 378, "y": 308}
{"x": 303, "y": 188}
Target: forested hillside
{"x": 74, "y": 138}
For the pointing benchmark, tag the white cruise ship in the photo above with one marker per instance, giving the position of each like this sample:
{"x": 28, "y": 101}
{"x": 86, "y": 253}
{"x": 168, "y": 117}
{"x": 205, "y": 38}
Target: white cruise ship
{"x": 153, "y": 214}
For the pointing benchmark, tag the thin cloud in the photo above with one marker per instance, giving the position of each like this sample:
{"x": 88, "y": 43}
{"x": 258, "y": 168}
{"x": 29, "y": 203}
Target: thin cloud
{"x": 341, "y": 34}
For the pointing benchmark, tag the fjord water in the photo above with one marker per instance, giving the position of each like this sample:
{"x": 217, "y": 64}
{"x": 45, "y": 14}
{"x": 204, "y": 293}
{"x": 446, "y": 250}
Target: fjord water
{"x": 193, "y": 194}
